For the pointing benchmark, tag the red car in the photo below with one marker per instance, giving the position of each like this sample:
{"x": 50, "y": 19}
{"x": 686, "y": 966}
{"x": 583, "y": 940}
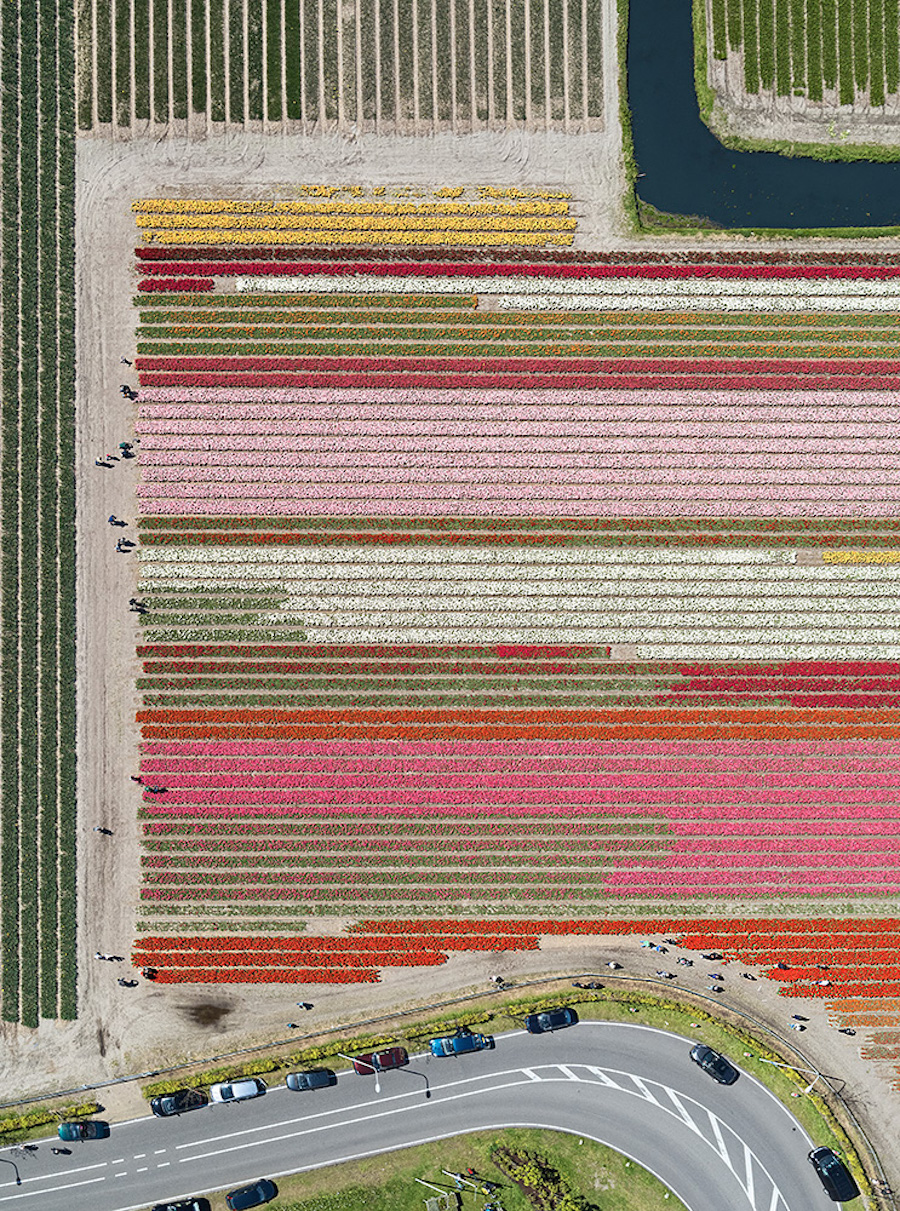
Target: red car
{"x": 380, "y": 1061}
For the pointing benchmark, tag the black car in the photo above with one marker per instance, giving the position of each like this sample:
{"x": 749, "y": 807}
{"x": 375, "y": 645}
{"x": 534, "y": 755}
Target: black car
{"x": 834, "y": 1176}
{"x": 714, "y": 1064}
{"x": 183, "y": 1204}
{"x": 178, "y": 1102}
{"x": 253, "y": 1195}
{"x": 312, "y": 1078}
{"x": 550, "y": 1019}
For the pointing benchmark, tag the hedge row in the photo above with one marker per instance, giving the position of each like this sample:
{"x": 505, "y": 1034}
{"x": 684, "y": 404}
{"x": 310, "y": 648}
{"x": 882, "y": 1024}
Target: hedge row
{"x": 38, "y": 1118}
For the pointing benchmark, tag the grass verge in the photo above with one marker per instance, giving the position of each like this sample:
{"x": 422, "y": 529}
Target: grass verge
{"x": 606, "y": 1180}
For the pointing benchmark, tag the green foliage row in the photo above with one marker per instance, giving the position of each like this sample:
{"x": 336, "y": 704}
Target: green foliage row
{"x": 801, "y": 47}
{"x": 310, "y": 1055}
{"x": 37, "y": 908}
{"x": 38, "y": 1118}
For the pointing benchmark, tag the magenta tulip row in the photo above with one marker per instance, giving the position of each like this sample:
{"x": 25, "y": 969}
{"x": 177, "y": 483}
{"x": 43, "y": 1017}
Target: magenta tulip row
{"x": 717, "y": 750}
{"x": 669, "y": 812}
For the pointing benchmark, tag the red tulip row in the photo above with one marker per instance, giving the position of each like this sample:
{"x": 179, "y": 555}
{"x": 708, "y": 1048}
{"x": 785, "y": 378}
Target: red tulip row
{"x": 536, "y": 257}
{"x": 176, "y": 285}
{"x": 267, "y": 975}
{"x": 527, "y": 365}
{"x": 507, "y": 269}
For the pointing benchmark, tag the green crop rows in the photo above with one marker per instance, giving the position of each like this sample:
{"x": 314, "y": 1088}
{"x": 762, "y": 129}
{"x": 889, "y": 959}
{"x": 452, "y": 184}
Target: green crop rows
{"x": 375, "y": 64}
{"x": 37, "y": 584}
{"x": 805, "y": 47}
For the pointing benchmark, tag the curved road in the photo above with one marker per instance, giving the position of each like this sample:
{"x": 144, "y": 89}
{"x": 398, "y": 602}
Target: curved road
{"x": 631, "y": 1087}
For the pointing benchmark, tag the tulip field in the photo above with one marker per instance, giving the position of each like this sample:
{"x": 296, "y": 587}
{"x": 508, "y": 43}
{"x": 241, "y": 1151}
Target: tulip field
{"x": 501, "y": 592}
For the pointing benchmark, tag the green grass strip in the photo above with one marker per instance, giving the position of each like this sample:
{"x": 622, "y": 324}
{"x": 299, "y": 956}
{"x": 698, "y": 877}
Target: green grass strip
{"x": 307, "y": 80}
{"x": 829, "y": 42}
{"x": 273, "y": 59}
{"x": 254, "y": 65}
{"x": 49, "y": 534}
{"x": 85, "y": 74}
{"x": 104, "y": 35}
{"x": 751, "y": 46}
{"x": 846, "y": 90}
{"x": 720, "y": 29}
{"x": 861, "y": 44}
{"x": 595, "y": 57}
{"x": 141, "y": 51}
{"x": 798, "y": 37}
{"x": 735, "y": 35}
{"x": 876, "y": 52}
{"x": 236, "y": 59}
{"x": 9, "y": 504}
{"x": 161, "y": 60}
{"x": 892, "y": 46}
{"x": 64, "y": 476}
{"x": 123, "y": 62}
{"x": 557, "y": 50}
{"x": 216, "y": 68}
{"x": 767, "y": 43}
{"x": 199, "y": 67}
{"x": 343, "y": 302}
{"x": 814, "y": 49}
{"x": 179, "y": 59}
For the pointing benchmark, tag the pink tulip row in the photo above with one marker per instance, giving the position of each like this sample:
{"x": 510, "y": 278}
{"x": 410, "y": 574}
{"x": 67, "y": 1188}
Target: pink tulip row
{"x": 670, "y": 812}
{"x": 536, "y": 793}
{"x": 644, "y": 750}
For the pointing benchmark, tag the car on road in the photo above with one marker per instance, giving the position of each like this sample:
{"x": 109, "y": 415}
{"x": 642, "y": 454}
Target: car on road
{"x": 178, "y": 1102}
{"x": 380, "y": 1061}
{"x": 237, "y": 1091}
{"x": 549, "y": 1020}
{"x": 312, "y": 1078}
{"x": 834, "y": 1175}
{"x": 183, "y": 1204}
{"x": 714, "y": 1064}
{"x": 91, "y": 1129}
{"x": 254, "y": 1195}
{"x": 461, "y": 1043}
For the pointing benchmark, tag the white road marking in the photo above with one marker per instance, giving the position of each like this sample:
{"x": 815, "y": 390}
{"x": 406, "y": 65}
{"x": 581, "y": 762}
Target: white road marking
{"x": 644, "y": 1092}
{"x": 159, "y": 1151}
{"x": 53, "y": 1190}
{"x": 532, "y": 1076}
{"x": 569, "y": 1073}
{"x": 124, "y": 1173}
{"x": 720, "y": 1143}
{"x": 604, "y": 1078}
{"x": 144, "y": 1170}
{"x": 139, "y": 1156}
{"x": 748, "y": 1169}
{"x": 163, "y": 1164}
{"x": 682, "y": 1112}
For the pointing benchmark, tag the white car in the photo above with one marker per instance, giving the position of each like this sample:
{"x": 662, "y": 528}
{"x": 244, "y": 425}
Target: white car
{"x": 237, "y": 1091}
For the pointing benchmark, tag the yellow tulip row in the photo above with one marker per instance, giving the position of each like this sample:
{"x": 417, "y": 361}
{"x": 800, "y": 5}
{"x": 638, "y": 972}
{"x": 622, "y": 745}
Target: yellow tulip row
{"x": 163, "y": 210}
{"x": 365, "y": 223}
{"x": 853, "y": 557}
{"x": 480, "y": 238}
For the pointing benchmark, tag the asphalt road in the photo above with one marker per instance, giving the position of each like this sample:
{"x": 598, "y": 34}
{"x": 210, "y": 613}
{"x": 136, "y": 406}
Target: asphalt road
{"x": 632, "y": 1087}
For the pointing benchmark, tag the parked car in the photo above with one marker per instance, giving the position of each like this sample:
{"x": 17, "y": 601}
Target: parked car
{"x": 380, "y": 1061}
{"x": 178, "y": 1102}
{"x": 90, "y": 1129}
{"x": 461, "y": 1043}
{"x": 184, "y": 1204}
{"x": 714, "y": 1064}
{"x": 550, "y": 1019}
{"x": 312, "y": 1078}
{"x": 834, "y": 1175}
{"x": 237, "y": 1091}
{"x": 253, "y": 1195}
